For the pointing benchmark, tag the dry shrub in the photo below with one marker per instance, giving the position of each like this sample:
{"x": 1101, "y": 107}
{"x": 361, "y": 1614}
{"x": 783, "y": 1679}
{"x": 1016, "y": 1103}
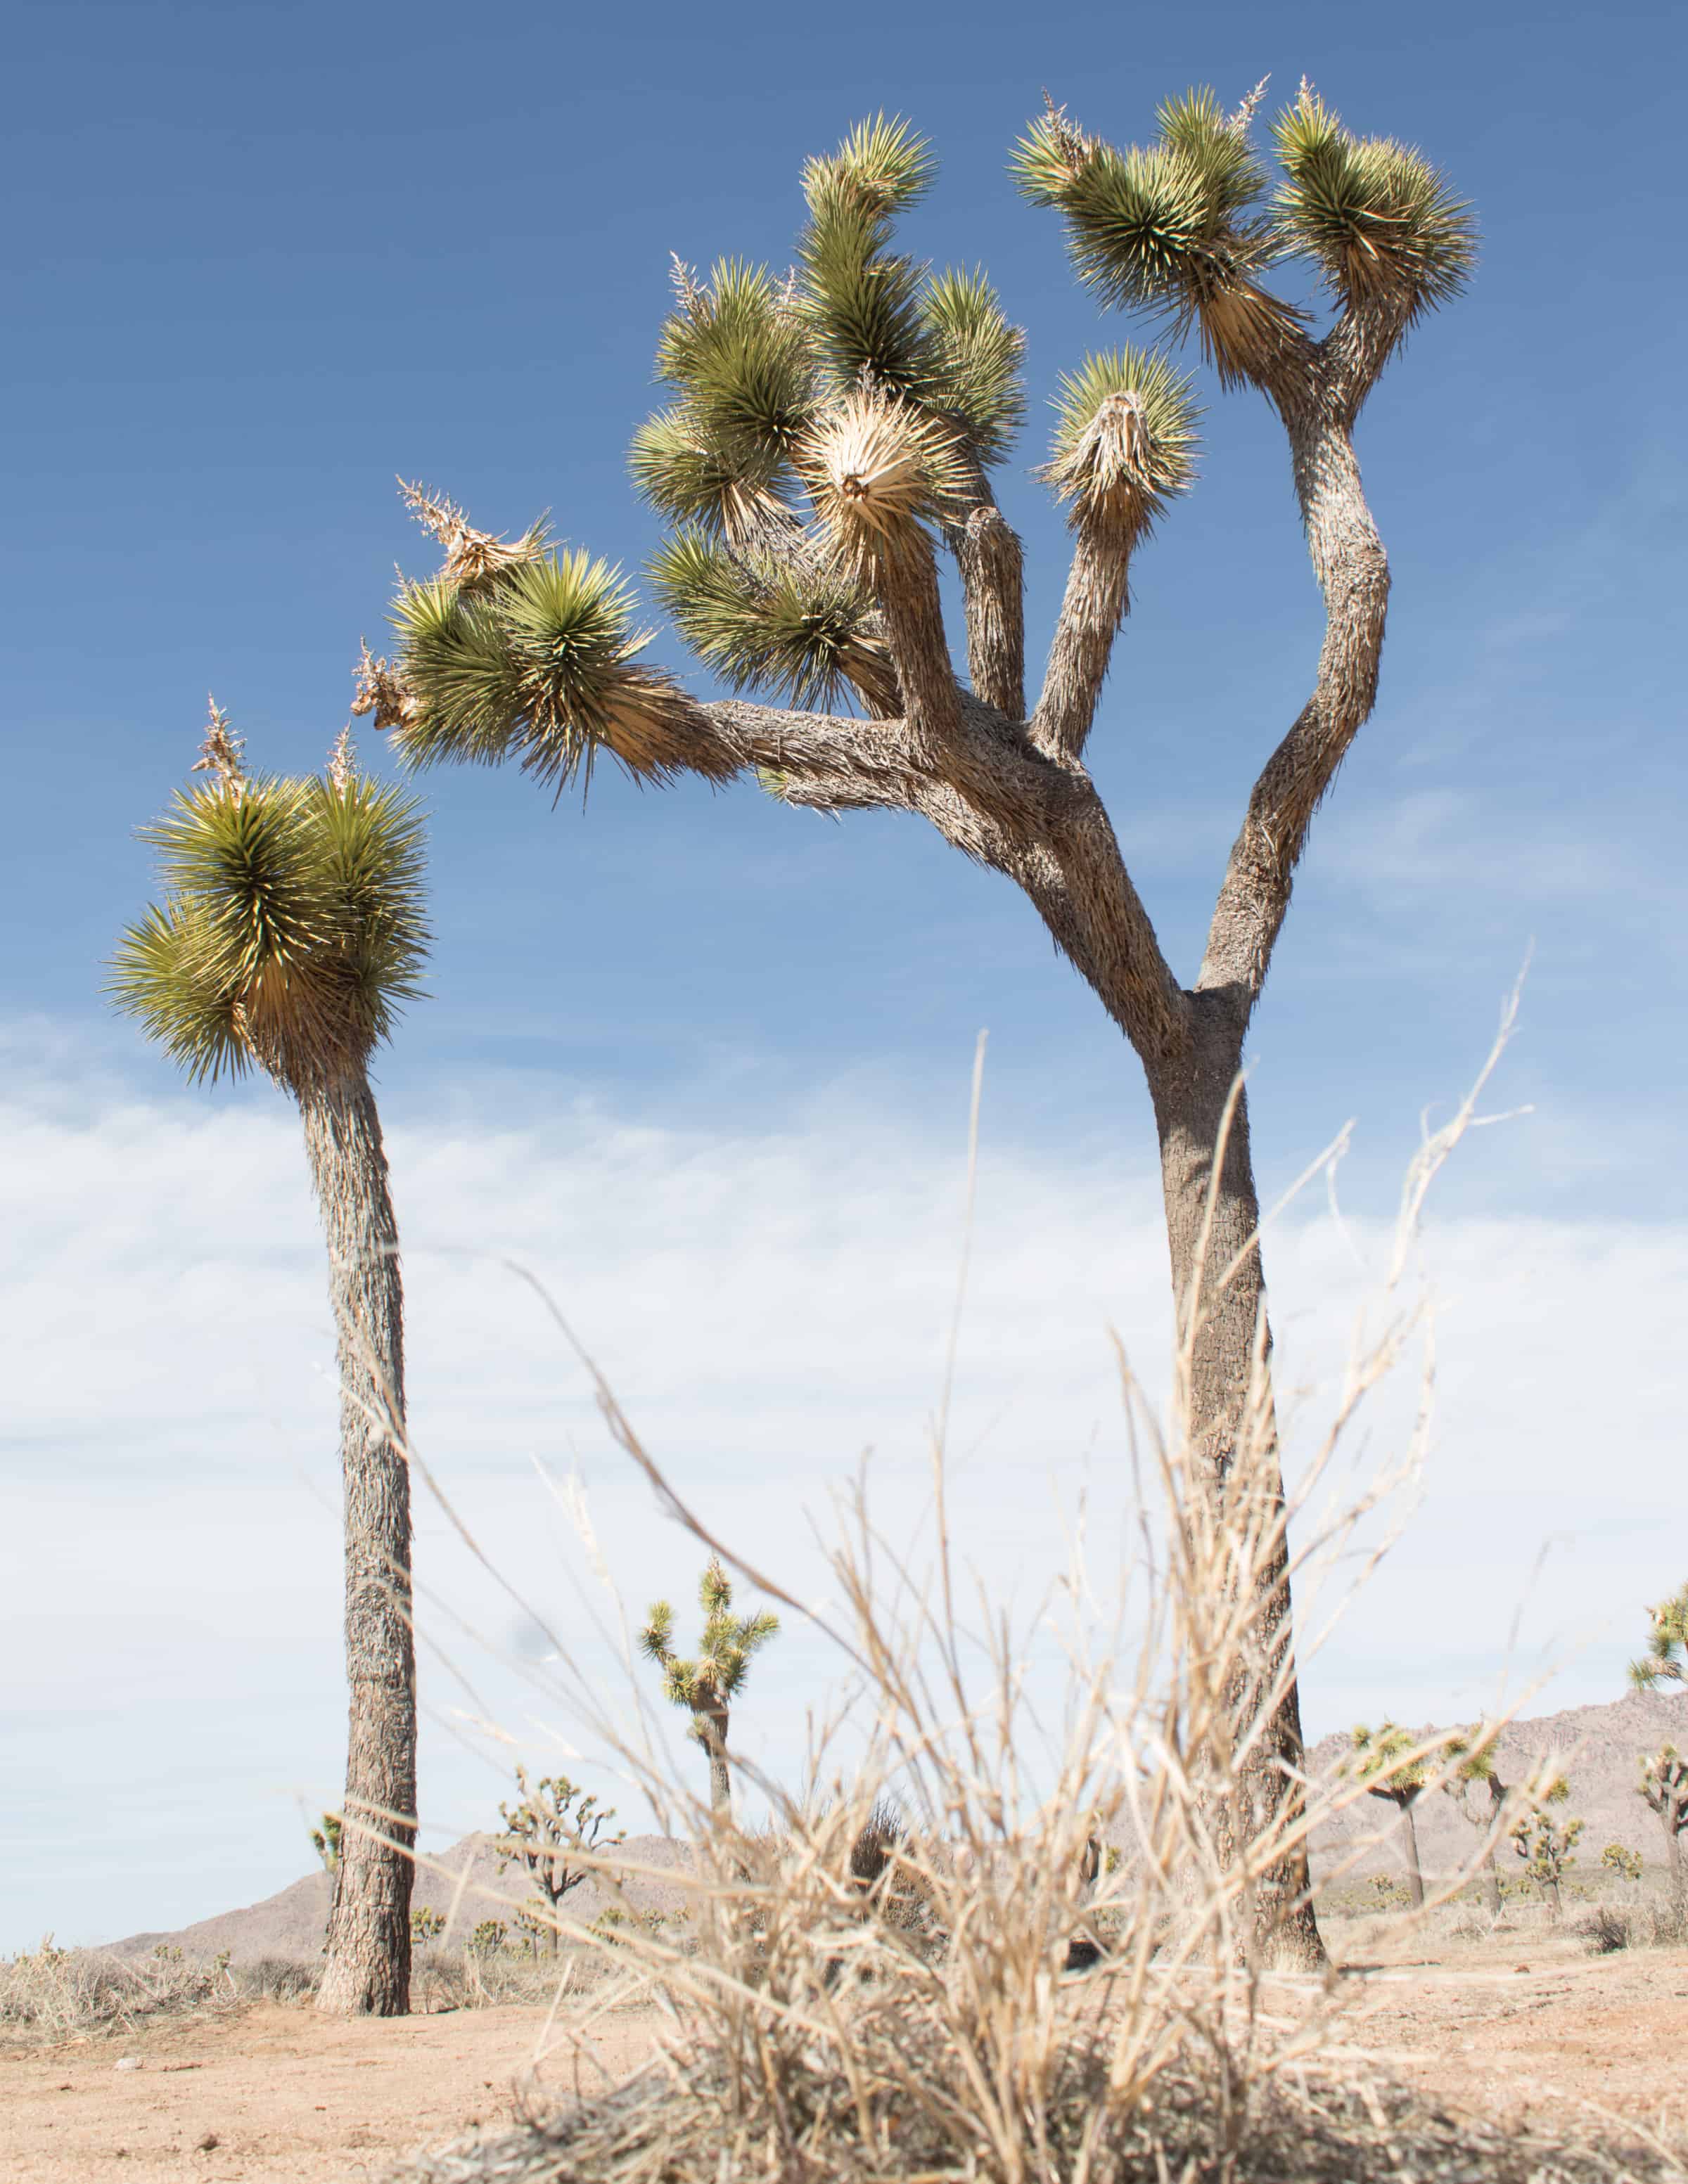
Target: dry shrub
{"x": 51, "y": 1993}
{"x": 876, "y": 1993}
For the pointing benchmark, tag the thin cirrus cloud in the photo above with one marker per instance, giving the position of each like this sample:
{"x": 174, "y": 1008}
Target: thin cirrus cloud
{"x": 772, "y": 1309}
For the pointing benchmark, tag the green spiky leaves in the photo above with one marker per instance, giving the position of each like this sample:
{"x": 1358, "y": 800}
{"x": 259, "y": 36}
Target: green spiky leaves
{"x": 796, "y": 626}
{"x": 1124, "y": 441}
{"x": 737, "y": 352}
{"x": 291, "y": 931}
{"x": 540, "y": 667}
{"x": 877, "y": 469}
{"x": 973, "y": 360}
{"x": 1376, "y": 218}
{"x": 755, "y": 363}
{"x": 1179, "y": 227}
{"x": 730, "y": 1642}
{"x": 1168, "y": 228}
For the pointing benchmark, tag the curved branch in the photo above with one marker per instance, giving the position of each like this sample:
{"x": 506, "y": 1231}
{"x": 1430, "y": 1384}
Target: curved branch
{"x": 1097, "y": 601}
{"x": 1352, "y": 571}
{"x": 990, "y": 558}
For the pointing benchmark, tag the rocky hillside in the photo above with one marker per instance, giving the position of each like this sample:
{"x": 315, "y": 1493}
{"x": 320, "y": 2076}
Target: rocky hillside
{"x": 293, "y": 1923}
{"x": 1599, "y": 1746}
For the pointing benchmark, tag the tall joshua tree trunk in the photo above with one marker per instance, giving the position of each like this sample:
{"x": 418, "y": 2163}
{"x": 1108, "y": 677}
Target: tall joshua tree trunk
{"x": 368, "y": 1969}
{"x": 1216, "y": 1276}
{"x": 712, "y": 1732}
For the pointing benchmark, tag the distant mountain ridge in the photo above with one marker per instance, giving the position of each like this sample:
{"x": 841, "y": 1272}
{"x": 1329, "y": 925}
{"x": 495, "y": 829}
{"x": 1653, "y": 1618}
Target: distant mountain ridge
{"x": 1599, "y": 1745}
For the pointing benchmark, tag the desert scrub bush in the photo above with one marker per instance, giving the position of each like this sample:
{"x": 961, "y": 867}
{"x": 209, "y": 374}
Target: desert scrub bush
{"x": 49, "y": 1993}
{"x": 1606, "y": 1930}
{"x": 278, "y": 1979}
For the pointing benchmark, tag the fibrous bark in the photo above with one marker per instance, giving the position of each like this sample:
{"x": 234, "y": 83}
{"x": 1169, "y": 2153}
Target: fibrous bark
{"x": 368, "y": 1950}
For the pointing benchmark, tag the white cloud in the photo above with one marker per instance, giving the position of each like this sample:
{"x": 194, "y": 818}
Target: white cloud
{"x": 767, "y": 1306}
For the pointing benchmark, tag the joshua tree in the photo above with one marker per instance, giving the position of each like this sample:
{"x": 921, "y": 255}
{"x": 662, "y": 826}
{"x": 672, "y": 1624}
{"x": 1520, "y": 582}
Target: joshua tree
{"x": 325, "y": 1841}
{"x": 1546, "y": 1845}
{"x": 1667, "y": 1644}
{"x": 830, "y": 433}
{"x": 1664, "y": 1784}
{"x": 1620, "y": 1860}
{"x": 290, "y": 931}
{"x": 1388, "y": 1761}
{"x": 547, "y": 1831}
{"x": 708, "y": 1685}
{"x": 1476, "y": 1771}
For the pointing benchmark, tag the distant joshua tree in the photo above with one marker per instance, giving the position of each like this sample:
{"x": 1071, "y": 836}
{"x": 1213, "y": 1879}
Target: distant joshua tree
{"x": 290, "y": 932}
{"x": 1664, "y": 1784}
{"x": 546, "y": 1830}
{"x": 829, "y": 434}
{"x": 1666, "y": 1659}
{"x": 1476, "y": 1772}
{"x": 325, "y": 1841}
{"x": 1547, "y": 1846}
{"x": 707, "y": 1685}
{"x": 1617, "y": 1859}
{"x": 1388, "y": 1761}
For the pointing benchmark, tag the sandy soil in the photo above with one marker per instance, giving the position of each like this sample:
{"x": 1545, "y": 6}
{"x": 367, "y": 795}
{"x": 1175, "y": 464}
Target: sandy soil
{"x": 1506, "y": 2030}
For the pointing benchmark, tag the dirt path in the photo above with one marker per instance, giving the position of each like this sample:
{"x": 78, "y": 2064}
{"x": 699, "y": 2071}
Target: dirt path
{"x": 1538, "y": 2032}
{"x": 285, "y": 2096}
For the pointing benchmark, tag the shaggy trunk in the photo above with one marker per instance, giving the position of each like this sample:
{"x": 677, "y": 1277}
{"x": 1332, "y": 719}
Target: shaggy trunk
{"x": 711, "y": 1735}
{"x": 368, "y": 1970}
{"x": 1491, "y": 1872}
{"x": 1672, "y": 1847}
{"x": 1415, "y": 1871}
{"x": 1229, "y": 1403}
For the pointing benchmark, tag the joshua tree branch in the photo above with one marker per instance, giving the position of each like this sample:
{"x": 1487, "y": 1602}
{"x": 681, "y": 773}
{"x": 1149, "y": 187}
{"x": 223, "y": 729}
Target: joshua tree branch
{"x": 988, "y": 552}
{"x": 1095, "y": 604}
{"x": 1353, "y": 573}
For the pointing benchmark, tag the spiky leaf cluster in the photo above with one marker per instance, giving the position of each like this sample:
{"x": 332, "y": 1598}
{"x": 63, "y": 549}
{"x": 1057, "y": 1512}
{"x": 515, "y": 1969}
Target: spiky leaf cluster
{"x": 877, "y": 469}
{"x": 797, "y": 624}
{"x": 717, "y": 1673}
{"x": 1171, "y": 228}
{"x": 1376, "y": 218}
{"x": 737, "y": 354}
{"x": 1180, "y": 227}
{"x": 1663, "y": 1783}
{"x": 1125, "y": 440}
{"x": 766, "y": 375}
{"x": 1389, "y": 1763}
{"x": 539, "y": 665}
{"x": 291, "y": 930}
{"x": 1663, "y": 1662}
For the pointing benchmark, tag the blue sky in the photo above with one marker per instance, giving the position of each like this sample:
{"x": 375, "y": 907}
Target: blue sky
{"x": 261, "y": 259}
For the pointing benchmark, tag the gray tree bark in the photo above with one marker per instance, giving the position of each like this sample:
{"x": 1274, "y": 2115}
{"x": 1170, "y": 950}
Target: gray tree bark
{"x": 1415, "y": 1871}
{"x": 711, "y": 1735}
{"x": 368, "y": 1970}
{"x": 1191, "y": 1091}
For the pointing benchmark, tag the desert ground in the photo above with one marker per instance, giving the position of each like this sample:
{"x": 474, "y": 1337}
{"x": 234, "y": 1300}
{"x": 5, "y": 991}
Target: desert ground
{"x": 1525, "y": 2028}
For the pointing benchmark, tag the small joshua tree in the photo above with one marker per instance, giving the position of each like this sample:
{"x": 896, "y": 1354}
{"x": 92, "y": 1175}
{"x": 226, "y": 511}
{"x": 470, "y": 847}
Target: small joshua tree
{"x": 1475, "y": 1773}
{"x": 290, "y": 933}
{"x": 547, "y": 1831}
{"x": 1621, "y": 1862}
{"x": 1666, "y": 1659}
{"x": 708, "y": 1685}
{"x": 489, "y": 1938}
{"x": 1546, "y": 1845}
{"x": 1388, "y": 1760}
{"x": 426, "y": 1925}
{"x": 1664, "y": 1786}
{"x": 325, "y": 1841}
{"x": 829, "y": 434}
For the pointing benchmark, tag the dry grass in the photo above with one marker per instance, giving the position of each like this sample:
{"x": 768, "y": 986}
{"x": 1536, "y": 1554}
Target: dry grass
{"x": 50, "y": 1993}
{"x": 866, "y": 1997}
